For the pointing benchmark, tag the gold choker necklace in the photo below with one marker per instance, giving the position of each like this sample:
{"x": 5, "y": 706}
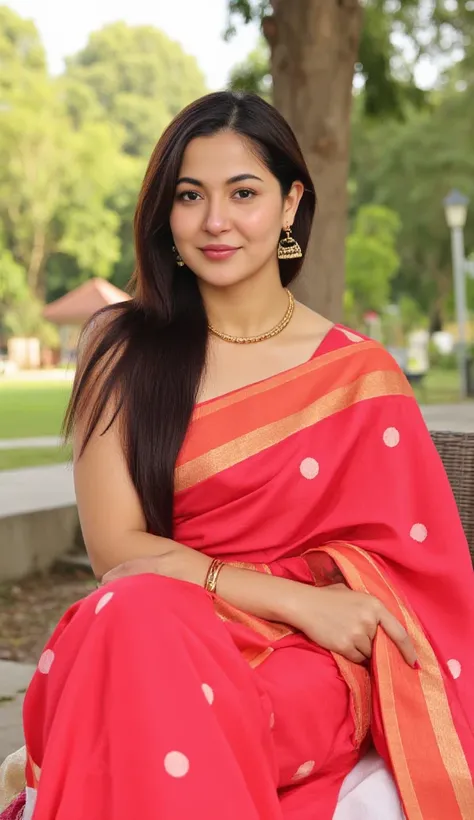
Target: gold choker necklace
{"x": 262, "y": 337}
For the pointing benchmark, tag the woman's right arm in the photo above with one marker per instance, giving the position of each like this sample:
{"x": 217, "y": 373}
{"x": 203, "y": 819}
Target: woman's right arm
{"x": 113, "y": 522}
{"x": 114, "y": 530}
{"x": 117, "y": 541}
{"x": 115, "y": 533}
{"x": 114, "y": 526}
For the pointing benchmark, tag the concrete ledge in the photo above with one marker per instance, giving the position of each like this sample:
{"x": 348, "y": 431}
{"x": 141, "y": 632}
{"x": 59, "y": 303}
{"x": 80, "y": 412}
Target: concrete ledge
{"x": 14, "y": 679}
{"x": 31, "y": 542}
{"x": 36, "y": 488}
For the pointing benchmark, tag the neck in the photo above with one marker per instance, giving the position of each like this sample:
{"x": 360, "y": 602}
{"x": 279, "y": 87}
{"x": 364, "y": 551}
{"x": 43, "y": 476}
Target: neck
{"x": 247, "y": 309}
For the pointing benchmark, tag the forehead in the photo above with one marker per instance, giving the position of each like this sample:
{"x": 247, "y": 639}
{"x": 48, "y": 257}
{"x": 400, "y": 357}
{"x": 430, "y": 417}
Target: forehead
{"x": 221, "y": 156}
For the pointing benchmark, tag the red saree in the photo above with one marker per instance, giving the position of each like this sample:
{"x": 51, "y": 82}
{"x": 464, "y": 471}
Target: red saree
{"x": 146, "y": 704}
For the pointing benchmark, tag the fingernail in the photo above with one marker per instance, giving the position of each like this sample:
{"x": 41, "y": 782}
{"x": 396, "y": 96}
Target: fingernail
{"x": 416, "y": 665}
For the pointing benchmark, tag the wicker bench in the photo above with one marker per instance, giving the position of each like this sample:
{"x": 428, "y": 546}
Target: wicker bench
{"x": 457, "y": 453}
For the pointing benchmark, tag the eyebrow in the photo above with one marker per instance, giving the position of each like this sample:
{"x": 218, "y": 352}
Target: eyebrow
{"x": 231, "y": 181}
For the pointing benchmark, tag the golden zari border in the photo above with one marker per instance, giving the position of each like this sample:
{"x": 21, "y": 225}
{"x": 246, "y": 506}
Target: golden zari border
{"x": 405, "y": 783}
{"x": 430, "y": 678}
{"x": 370, "y": 386}
{"x": 269, "y": 630}
{"x": 255, "y": 567}
{"x": 356, "y": 677}
{"x": 358, "y": 682}
{"x": 294, "y": 373}
{"x": 394, "y": 738}
{"x": 432, "y": 684}
{"x": 34, "y": 770}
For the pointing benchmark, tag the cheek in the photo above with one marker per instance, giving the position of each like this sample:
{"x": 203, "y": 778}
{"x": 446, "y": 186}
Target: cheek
{"x": 261, "y": 224}
{"x": 183, "y": 222}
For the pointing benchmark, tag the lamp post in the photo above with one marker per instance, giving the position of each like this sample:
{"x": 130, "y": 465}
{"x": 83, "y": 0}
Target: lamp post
{"x": 455, "y": 208}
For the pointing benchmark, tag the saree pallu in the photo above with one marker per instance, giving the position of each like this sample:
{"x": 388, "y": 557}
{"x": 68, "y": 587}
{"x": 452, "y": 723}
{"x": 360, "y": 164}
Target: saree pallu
{"x": 146, "y": 703}
{"x": 329, "y": 466}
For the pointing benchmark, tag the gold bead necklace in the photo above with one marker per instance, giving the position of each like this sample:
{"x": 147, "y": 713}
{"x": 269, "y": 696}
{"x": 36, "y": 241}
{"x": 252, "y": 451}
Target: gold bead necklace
{"x": 262, "y": 337}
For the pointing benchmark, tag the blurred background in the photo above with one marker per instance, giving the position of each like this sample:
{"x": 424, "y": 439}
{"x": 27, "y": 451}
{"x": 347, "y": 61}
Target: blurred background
{"x": 380, "y": 94}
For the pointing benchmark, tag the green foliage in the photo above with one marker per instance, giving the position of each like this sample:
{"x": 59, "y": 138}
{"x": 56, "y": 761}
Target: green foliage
{"x": 410, "y": 166}
{"x": 246, "y": 10}
{"x": 410, "y": 147}
{"x": 139, "y": 78}
{"x": 410, "y": 314}
{"x": 54, "y": 179}
{"x": 73, "y": 151}
{"x": 123, "y": 202}
{"x": 13, "y": 288}
{"x": 395, "y": 37}
{"x": 442, "y": 361}
{"x": 253, "y": 75}
{"x": 13, "y": 285}
{"x": 371, "y": 260}
{"x": 25, "y": 319}
{"x": 20, "y": 46}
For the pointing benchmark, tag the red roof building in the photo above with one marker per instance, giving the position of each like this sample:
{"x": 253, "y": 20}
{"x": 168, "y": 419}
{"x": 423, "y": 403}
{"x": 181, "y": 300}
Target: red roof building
{"x": 75, "y": 307}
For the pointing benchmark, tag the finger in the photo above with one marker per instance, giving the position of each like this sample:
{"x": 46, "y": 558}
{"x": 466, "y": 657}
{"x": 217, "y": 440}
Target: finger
{"x": 113, "y": 574}
{"x": 364, "y": 645}
{"x": 354, "y": 655}
{"x": 398, "y": 634}
{"x": 125, "y": 570}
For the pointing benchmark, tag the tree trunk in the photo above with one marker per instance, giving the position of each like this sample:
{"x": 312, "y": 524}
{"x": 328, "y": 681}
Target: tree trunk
{"x": 314, "y": 46}
{"x": 35, "y": 267}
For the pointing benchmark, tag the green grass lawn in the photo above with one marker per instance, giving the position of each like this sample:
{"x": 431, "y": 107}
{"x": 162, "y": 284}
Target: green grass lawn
{"x": 36, "y": 408}
{"x": 32, "y": 408}
{"x": 440, "y": 387}
{"x": 33, "y": 457}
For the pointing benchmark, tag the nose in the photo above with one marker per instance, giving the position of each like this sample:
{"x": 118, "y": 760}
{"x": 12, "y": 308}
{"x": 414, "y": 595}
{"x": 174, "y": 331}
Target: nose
{"x": 217, "y": 216}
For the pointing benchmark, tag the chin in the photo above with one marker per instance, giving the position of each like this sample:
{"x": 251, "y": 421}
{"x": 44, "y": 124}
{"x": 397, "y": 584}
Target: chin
{"x": 219, "y": 277}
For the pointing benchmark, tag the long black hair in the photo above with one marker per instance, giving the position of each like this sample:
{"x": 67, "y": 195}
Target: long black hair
{"x": 151, "y": 352}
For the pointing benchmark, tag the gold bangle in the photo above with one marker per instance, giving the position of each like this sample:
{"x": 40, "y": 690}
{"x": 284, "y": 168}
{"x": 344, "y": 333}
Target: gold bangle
{"x": 210, "y": 583}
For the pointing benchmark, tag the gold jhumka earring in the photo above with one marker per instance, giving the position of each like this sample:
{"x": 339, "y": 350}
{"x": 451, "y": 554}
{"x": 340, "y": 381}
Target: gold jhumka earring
{"x": 179, "y": 261}
{"x": 288, "y": 247}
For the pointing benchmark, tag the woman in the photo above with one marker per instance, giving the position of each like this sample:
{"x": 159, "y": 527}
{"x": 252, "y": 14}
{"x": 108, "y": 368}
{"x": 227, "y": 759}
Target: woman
{"x": 286, "y": 584}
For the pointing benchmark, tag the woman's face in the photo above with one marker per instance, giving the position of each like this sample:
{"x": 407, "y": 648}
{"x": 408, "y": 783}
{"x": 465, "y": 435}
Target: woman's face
{"x": 228, "y": 210}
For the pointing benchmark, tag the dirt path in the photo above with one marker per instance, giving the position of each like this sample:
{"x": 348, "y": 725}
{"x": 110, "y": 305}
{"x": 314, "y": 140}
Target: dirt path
{"x": 30, "y": 609}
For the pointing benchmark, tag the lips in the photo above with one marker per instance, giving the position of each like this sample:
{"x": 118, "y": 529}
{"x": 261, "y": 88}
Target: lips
{"x": 219, "y": 252}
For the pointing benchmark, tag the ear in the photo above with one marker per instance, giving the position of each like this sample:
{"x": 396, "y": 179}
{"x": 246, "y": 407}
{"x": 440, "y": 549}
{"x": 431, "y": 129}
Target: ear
{"x": 292, "y": 200}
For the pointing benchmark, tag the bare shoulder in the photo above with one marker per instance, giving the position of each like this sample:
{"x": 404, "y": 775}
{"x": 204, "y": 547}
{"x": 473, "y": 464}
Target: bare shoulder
{"x": 312, "y": 324}
{"x": 372, "y": 349}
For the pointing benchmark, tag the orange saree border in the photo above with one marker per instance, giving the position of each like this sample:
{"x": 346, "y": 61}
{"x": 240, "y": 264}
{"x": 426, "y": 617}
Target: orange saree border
{"x": 426, "y": 754}
{"x": 358, "y": 682}
{"x": 265, "y": 385}
{"x": 356, "y": 676}
{"x": 33, "y": 772}
{"x": 268, "y": 630}
{"x": 214, "y": 447}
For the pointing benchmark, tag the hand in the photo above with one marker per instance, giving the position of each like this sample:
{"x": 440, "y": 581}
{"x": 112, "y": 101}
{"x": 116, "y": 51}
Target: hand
{"x": 343, "y": 621}
{"x": 137, "y": 566}
{"x": 183, "y": 564}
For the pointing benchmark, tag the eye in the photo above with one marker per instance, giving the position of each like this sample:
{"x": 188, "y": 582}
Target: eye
{"x": 244, "y": 193}
{"x": 188, "y": 196}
